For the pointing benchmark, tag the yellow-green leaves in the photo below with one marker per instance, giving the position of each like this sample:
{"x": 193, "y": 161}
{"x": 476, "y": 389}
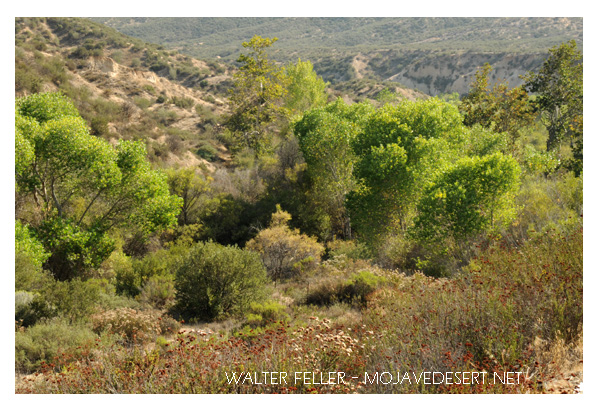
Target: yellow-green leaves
{"x": 399, "y": 151}
{"x": 45, "y": 106}
{"x": 256, "y": 96}
{"x": 83, "y": 185}
{"x": 473, "y": 195}
{"x": 305, "y": 88}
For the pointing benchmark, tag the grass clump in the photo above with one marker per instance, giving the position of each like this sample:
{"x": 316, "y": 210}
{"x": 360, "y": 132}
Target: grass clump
{"x": 49, "y": 339}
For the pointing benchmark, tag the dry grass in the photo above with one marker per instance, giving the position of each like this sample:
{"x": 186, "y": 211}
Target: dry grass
{"x": 513, "y": 310}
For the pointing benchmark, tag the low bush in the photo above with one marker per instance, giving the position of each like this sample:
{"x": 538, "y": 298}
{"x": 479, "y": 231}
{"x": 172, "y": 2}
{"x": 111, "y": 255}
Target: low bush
{"x": 216, "y": 281}
{"x": 47, "y": 340}
{"x": 207, "y": 151}
{"x": 182, "y": 102}
{"x": 285, "y": 252}
{"x": 262, "y": 314}
{"x": 352, "y": 291}
{"x": 131, "y": 325}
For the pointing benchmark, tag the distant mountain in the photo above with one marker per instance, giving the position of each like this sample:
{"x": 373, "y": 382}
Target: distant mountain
{"x": 434, "y": 55}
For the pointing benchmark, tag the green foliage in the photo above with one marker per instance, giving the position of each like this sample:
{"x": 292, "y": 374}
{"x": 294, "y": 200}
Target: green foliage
{"x": 207, "y": 151}
{"x": 359, "y": 286}
{"x": 474, "y": 195}
{"x": 306, "y": 90}
{"x": 149, "y": 278}
{"x": 285, "y": 252}
{"x": 84, "y": 186}
{"x": 560, "y": 94}
{"x": 73, "y": 251}
{"x": 400, "y": 149}
{"x": 500, "y": 108}
{"x": 45, "y": 341}
{"x": 325, "y": 136}
{"x": 482, "y": 141}
{"x": 256, "y": 97}
{"x": 28, "y": 245}
{"x": 217, "y": 281}
{"x": 46, "y": 106}
{"x": 262, "y": 314}
{"x": 73, "y": 300}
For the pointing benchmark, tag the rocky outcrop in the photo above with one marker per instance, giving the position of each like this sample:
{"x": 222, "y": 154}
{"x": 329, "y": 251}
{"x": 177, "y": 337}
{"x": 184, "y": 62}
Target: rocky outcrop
{"x": 436, "y": 74}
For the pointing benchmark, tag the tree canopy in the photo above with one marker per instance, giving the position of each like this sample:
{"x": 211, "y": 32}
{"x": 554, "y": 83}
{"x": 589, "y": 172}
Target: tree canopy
{"x": 82, "y": 185}
{"x": 559, "y": 89}
{"x": 256, "y": 97}
{"x": 499, "y": 108}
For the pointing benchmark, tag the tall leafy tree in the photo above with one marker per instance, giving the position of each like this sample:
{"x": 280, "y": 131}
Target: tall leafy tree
{"x": 399, "y": 151}
{"x": 305, "y": 89}
{"x": 325, "y": 138}
{"x": 188, "y": 185}
{"x": 498, "y": 108}
{"x": 559, "y": 89}
{"x": 82, "y": 185}
{"x": 256, "y": 97}
{"x": 470, "y": 196}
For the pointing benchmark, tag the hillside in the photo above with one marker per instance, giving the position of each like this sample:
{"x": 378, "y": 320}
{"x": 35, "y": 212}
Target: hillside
{"x": 126, "y": 88}
{"x": 434, "y": 55}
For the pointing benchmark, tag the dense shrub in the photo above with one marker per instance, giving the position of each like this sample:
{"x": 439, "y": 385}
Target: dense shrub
{"x": 261, "y": 314}
{"x": 216, "y": 281}
{"x": 74, "y": 299}
{"x": 133, "y": 274}
{"x": 207, "y": 151}
{"x": 30, "y": 308}
{"x": 285, "y": 252}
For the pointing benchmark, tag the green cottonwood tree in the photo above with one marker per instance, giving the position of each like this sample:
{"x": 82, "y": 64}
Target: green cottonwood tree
{"x": 325, "y": 138}
{"x": 471, "y": 196}
{"x": 82, "y": 185}
{"x": 305, "y": 89}
{"x": 256, "y": 97}
{"x": 399, "y": 151}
